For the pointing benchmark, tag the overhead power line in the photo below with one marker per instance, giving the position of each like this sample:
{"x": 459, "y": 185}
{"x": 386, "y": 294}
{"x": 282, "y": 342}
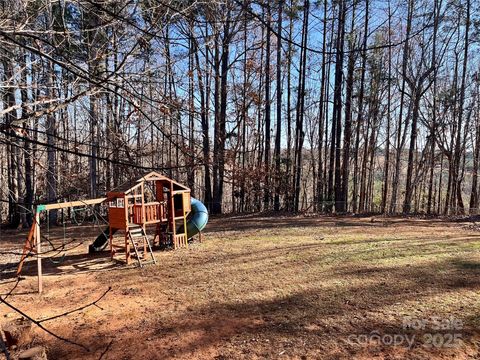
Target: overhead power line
{"x": 318, "y": 51}
{"x": 82, "y": 154}
{"x": 245, "y": 6}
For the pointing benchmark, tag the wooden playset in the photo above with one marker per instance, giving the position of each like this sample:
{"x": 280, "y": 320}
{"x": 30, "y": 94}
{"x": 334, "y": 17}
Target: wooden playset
{"x": 154, "y": 202}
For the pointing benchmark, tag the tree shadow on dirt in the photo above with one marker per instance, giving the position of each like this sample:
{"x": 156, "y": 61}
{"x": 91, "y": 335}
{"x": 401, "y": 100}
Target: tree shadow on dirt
{"x": 63, "y": 264}
{"x": 307, "y": 323}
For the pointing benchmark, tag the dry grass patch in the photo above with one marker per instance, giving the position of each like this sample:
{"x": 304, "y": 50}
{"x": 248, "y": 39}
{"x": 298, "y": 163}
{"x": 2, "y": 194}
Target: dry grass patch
{"x": 286, "y": 287}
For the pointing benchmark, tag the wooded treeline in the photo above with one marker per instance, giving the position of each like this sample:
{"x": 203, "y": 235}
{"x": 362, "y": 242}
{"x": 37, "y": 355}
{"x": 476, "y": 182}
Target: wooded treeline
{"x": 327, "y": 106}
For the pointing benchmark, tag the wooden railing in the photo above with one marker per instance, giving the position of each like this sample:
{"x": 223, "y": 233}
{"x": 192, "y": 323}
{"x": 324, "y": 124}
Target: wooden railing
{"x": 134, "y": 216}
{"x": 153, "y": 212}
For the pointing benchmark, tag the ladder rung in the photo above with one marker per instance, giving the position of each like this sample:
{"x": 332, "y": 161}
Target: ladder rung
{"x": 137, "y": 234}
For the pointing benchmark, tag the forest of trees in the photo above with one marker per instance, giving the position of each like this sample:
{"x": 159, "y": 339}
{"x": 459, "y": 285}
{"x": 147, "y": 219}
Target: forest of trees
{"x": 334, "y": 106}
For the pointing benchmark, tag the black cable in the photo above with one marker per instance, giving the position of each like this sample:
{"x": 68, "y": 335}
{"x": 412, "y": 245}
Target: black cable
{"x": 245, "y": 7}
{"x": 81, "y": 154}
{"x": 63, "y": 139}
{"x": 99, "y": 82}
{"x": 321, "y": 52}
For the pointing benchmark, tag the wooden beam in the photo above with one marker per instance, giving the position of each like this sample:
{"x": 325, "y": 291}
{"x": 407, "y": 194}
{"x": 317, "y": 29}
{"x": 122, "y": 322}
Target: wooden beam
{"x": 70, "y": 204}
{"x": 29, "y": 245}
{"x": 39, "y": 252}
{"x": 134, "y": 187}
{"x": 133, "y": 196}
{"x": 153, "y": 175}
{"x": 154, "y": 178}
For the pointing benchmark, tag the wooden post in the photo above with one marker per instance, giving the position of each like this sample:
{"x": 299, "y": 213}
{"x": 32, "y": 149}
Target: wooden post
{"x": 143, "y": 204}
{"x": 110, "y": 238}
{"x": 127, "y": 243}
{"x": 184, "y": 220}
{"x": 39, "y": 251}
{"x": 144, "y": 219}
{"x": 127, "y": 248}
{"x": 29, "y": 246}
{"x": 172, "y": 215}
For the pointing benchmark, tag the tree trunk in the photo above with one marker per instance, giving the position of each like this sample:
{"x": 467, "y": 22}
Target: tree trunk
{"x": 399, "y": 143}
{"x": 476, "y": 158}
{"x": 300, "y": 134}
{"x": 334, "y": 160}
{"x": 360, "y": 110}
{"x": 411, "y": 152}
{"x": 220, "y": 123}
{"x": 12, "y": 149}
{"x": 278, "y": 134}
{"x": 383, "y": 206}
{"x": 266, "y": 192}
{"x": 458, "y": 145}
{"x": 343, "y": 200}
{"x": 321, "y": 113}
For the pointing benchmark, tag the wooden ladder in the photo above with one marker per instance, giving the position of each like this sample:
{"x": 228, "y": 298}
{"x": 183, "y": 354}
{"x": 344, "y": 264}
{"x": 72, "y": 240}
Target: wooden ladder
{"x": 141, "y": 245}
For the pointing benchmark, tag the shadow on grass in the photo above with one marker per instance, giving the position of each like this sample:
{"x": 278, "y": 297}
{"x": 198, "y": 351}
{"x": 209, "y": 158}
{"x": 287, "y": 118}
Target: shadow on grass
{"x": 307, "y": 323}
{"x": 316, "y": 316}
{"x": 339, "y": 252}
{"x": 468, "y": 265}
{"x": 269, "y": 221}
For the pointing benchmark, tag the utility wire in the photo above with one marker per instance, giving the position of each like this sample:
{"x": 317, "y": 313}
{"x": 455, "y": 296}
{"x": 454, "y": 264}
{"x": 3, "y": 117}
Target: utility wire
{"x": 245, "y": 7}
{"x": 318, "y": 51}
{"x": 97, "y": 157}
{"x": 63, "y": 139}
{"x": 81, "y": 73}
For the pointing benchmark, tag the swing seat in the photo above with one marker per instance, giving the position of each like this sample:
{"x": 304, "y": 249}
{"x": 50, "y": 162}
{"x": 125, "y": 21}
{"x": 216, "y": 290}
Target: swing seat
{"x": 59, "y": 261}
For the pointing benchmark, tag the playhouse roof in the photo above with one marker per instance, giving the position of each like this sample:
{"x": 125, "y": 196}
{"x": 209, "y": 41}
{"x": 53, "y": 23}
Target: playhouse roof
{"x": 128, "y": 186}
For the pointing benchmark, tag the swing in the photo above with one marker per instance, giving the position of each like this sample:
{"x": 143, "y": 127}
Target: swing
{"x": 82, "y": 211}
{"x": 59, "y": 261}
{"x": 62, "y": 258}
{"x": 97, "y": 219}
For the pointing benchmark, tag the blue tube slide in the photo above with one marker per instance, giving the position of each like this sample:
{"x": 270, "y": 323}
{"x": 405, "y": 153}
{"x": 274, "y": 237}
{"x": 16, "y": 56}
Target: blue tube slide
{"x": 197, "y": 219}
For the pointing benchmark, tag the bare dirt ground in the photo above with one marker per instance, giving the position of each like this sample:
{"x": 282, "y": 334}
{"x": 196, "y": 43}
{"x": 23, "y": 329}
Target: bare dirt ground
{"x": 265, "y": 287}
